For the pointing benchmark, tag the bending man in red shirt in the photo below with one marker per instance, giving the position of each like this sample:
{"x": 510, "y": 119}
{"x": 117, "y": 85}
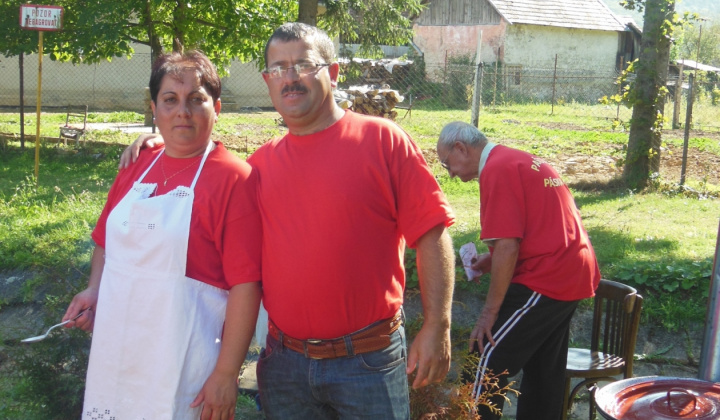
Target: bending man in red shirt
{"x": 541, "y": 264}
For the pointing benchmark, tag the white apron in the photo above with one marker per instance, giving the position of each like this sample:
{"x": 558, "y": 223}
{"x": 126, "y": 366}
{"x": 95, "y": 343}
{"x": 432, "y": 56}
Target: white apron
{"x": 157, "y": 333}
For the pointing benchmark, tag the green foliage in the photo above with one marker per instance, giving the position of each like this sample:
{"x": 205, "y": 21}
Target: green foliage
{"x": 715, "y": 96}
{"x": 224, "y": 30}
{"x": 661, "y": 277}
{"x": 13, "y": 40}
{"x": 690, "y": 38}
{"x": 459, "y": 80}
{"x": 411, "y": 275}
{"x": 52, "y": 375}
{"x": 371, "y": 23}
{"x": 628, "y": 95}
{"x": 237, "y": 29}
{"x": 414, "y": 81}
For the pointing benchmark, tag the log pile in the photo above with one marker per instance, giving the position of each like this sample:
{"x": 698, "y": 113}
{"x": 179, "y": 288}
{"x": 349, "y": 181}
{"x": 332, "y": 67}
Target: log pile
{"x": 370, "y": 100}
{"x": 378, "y": 72}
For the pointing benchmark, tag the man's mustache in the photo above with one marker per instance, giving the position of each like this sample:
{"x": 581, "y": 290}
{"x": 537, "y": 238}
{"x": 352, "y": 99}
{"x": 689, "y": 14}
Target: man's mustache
{"x": 294, "y": 88}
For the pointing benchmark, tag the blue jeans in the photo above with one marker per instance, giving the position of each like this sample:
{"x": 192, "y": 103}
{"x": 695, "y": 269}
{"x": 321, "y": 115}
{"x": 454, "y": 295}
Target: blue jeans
{"x": 366, "y": 386}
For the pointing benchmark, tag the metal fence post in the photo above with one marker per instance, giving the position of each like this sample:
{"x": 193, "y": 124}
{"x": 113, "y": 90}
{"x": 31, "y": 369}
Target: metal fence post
{"x": 678, "y": 97}
{"x": 552, "y": 101}
{"x": 477, "y": 88}
{"x": 710, "y": 355}
{"x": 497, "y": 60}
{"x": 688, "y": 121}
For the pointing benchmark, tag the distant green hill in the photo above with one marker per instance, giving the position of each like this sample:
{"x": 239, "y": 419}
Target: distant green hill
{"x": 709, "y": 9}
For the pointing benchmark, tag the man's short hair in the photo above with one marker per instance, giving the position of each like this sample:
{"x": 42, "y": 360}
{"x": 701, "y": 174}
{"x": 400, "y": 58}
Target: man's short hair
{"x": 296, "y": 31}
{"x": 459, "y": 131}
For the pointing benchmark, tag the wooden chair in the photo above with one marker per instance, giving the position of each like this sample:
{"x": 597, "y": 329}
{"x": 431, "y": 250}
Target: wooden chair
{"x": 616, "y": 319}
{"x": 75, "y": 124}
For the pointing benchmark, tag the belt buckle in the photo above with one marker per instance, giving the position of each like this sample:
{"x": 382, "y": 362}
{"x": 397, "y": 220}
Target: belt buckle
{"x": 312, "y": 341}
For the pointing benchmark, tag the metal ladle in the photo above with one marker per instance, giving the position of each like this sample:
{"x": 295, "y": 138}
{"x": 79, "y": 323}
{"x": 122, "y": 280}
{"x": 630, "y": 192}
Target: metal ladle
{"x": 44, "y": 336}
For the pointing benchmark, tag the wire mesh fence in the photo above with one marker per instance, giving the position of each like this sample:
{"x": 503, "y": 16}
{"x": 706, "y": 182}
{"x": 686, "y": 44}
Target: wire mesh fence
{"x": 458, "y": 87}
{"x": 452, "y": 87}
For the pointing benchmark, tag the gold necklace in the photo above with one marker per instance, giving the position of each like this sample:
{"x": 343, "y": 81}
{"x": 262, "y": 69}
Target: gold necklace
{"x": 162, "y": 168}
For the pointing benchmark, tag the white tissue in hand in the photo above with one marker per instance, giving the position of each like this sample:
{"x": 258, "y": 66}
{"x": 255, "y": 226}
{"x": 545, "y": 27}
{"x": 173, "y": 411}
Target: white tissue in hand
{"x": 468, "y": 253}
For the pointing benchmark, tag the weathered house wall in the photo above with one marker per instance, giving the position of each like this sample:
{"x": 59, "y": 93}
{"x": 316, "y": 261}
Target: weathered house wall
{"x": 438, "y": 41}
{"x": 525, "y": 36}
{"x": 534, "y": 46}
{"x": 451, "y": 27}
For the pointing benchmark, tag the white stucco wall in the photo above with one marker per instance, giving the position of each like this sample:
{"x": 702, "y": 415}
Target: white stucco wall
{"x": 113, "y": 86}
{"x": 534, "y": 46}
{"x": 585, "y": 63}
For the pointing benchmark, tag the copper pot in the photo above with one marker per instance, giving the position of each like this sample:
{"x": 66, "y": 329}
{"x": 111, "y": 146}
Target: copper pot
{"x": 658, "y": 398}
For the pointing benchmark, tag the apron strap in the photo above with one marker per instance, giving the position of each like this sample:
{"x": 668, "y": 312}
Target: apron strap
{"x": 151, "y": 165}
{"x": 202, "y": 163}
{"x": 197, "y": 174}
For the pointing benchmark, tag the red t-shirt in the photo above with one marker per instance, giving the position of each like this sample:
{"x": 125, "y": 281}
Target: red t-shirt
{"x": 225, "y": 229}
{"x": 338, "y": 207}
{"x": 521, "y": 196}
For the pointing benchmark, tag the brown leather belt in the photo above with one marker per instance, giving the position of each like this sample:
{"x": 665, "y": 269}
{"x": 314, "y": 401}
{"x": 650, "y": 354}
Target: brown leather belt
{"x": 372, "y": 338}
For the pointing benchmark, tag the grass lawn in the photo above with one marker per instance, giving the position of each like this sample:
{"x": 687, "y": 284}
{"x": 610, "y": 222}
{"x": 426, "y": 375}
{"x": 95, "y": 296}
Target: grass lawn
{"x": 661, "y": 240}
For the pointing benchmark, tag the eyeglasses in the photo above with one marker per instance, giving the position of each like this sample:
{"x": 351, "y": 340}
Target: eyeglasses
{"x": 444, "y": 163}
{"x": 300, "y": 69}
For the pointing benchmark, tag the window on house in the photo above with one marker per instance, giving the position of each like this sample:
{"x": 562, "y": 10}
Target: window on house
{"x": 515, "y": 72}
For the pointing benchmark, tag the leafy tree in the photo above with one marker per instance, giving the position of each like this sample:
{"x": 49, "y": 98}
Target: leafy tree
{"x": 13, "y": 40}
{"x": 709, "y": 39}
{"x": 371, "y": 22}
{"x": 643, "y": 152}
{"x": 96, "y": 30}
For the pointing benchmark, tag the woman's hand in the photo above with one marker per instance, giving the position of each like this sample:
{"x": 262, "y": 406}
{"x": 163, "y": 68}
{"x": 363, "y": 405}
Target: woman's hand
{"x": 87, "y": 299}
{"x": 218, "y": 396}
{"x": 130, "y": 154}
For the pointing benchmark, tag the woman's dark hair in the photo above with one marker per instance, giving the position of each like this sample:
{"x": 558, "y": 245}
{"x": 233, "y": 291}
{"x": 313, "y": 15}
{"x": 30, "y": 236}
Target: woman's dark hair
{"x": 174, "y": 64}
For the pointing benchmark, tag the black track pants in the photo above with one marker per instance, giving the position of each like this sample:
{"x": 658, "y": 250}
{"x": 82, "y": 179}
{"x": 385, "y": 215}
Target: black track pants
{"x": 531, "y": 333}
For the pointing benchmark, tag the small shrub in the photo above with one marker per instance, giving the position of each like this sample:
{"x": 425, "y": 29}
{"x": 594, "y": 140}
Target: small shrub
{"x": 715, "y": 94}
{"x": 453, "y": 399}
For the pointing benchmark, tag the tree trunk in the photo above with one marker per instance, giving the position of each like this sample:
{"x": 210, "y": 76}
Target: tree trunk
{"x": 643, "y": 152}
{"x": 179, "y": 15}
{"x": 153, "y": 40}
{"x": 308, "y": 10}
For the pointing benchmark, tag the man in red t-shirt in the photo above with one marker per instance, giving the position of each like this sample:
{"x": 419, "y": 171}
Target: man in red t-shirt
{"x": 541, "y": 264}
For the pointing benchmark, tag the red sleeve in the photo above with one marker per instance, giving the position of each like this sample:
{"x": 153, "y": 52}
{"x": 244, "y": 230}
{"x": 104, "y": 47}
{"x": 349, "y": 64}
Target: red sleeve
{"x": 242, "y": 237}
{"x": 421, "y": 203}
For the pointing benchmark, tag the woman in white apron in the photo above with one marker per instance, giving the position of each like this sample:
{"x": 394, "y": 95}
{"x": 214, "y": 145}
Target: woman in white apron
{"x": 174, "y": 285}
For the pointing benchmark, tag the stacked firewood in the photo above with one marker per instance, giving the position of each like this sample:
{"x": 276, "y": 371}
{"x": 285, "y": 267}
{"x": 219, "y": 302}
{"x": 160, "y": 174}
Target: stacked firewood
{"x": 370, "y": 100}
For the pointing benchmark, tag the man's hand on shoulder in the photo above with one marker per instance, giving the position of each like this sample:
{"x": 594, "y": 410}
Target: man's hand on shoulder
{"x": 130, "y": 154}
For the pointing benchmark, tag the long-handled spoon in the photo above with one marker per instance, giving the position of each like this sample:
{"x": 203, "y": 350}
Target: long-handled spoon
{"x": 44, "y": 336}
